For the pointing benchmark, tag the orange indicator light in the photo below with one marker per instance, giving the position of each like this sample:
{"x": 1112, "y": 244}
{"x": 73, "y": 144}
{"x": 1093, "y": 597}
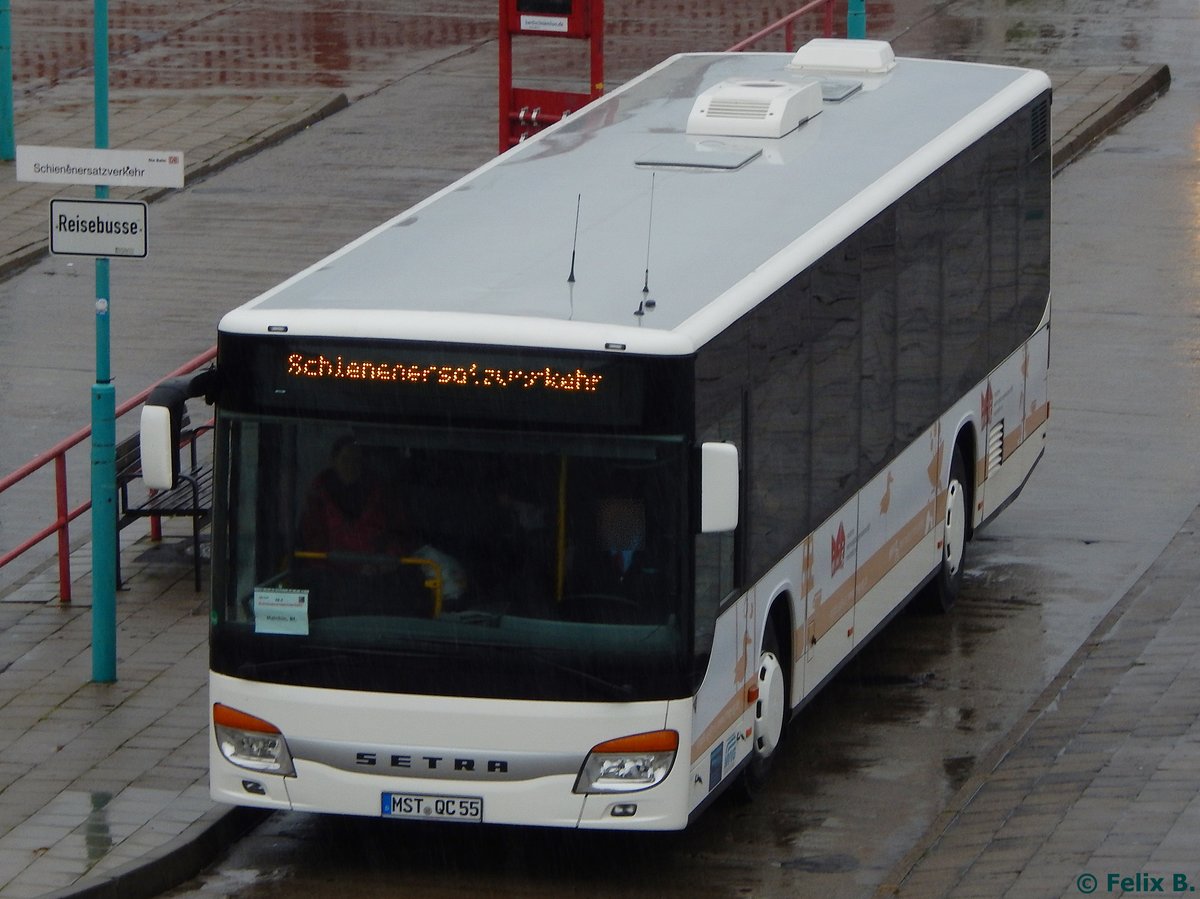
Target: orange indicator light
{"x": 228, "y": 717}
{"x": 655, "y": 741}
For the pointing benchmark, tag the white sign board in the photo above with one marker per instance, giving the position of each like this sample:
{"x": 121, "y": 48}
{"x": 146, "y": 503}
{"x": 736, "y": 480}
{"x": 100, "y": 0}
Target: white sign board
{"x": 114, "y": 168}
{"x": 98, "y": 228}
{"x": 280, "y": 611}
{"x": 555, "y": 24}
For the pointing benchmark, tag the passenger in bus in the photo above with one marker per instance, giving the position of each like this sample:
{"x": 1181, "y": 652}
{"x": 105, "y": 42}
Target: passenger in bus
{"x": 346, "y": 515}
{"x": 518, "y": 559}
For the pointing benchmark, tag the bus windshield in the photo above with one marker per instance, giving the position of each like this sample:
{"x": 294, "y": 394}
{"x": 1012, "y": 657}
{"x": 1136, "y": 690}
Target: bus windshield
{"x": 451, "y": 561}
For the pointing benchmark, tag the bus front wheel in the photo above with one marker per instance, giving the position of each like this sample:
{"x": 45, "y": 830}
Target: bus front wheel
{"x": 770, "y": 712}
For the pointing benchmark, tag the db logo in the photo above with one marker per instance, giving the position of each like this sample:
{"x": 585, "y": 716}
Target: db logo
{"x": 837, "y": 550}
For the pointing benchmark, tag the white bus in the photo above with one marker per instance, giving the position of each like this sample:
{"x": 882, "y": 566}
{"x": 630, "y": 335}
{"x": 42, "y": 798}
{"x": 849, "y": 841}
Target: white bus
{"x": 552, "y": 499}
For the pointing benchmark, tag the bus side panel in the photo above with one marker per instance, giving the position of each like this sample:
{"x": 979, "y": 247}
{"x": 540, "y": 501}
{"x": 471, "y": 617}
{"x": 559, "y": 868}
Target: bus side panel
{"x": 723, "y": 712}
{"x": 1037, "y": 381}
{"x": 897, "y": 544}
{"x": 1016, "y": 430}
{"x": 829, "y": 620}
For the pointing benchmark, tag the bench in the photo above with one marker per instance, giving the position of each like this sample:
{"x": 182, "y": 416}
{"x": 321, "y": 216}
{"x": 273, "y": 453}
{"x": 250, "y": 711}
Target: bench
{"x": 191, "y": 497}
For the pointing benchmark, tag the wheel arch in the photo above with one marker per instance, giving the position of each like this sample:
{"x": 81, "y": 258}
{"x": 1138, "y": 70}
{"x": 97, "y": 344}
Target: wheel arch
{"x": 781, "y": 616}
{"x": 966, "y": 443}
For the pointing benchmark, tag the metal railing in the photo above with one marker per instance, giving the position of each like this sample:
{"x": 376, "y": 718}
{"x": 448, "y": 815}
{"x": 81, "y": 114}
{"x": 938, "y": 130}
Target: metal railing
{"x": 64, "y": 515}
{"x": 788, "y": 26}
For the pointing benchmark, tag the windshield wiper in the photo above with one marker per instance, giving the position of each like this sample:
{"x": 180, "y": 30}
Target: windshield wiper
{"x": 619, "y": 691}
{"x": 276, "y": 665}
{"x": 341, "y": 657}
{"x": 475, "y": 617}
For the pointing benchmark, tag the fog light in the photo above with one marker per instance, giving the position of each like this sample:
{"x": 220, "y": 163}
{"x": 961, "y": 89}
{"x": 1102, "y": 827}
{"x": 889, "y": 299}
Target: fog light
{"x": 624, "y": 810}
{"x": 253, "y": 786}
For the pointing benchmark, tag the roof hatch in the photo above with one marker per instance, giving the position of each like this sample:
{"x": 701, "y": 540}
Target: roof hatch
{"x": 747, "y": 108}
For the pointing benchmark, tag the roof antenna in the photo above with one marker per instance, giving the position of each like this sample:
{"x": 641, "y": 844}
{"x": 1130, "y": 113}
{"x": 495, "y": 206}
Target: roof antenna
{"x": 649, "y": 228}
{"x": 575, "y": 239}
{"x": 646, "y": 303}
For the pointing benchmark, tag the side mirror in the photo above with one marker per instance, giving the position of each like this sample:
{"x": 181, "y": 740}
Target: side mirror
{"x": 719, "y": 488}
{"x": 162, "y": 426}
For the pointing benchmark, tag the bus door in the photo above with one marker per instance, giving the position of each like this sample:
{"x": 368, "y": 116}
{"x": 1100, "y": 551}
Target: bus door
{"x": 829, "y": 621}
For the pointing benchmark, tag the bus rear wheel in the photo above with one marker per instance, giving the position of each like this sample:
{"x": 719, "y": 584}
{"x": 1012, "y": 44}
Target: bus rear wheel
{"x": 942, "y": 592}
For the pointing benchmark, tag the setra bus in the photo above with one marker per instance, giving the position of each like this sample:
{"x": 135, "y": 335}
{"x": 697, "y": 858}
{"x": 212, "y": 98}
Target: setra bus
{"x": 552, "y": 499}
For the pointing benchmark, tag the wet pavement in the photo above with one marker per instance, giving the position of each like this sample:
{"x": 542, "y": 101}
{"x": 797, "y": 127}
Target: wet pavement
{"x": 1097, "y": 783}
{"x": 104, "y": 787}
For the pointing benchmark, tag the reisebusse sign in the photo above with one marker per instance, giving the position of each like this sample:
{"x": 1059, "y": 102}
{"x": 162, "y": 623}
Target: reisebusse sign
{"x": 115, "y": 168}
{"x": 98, "y": 228}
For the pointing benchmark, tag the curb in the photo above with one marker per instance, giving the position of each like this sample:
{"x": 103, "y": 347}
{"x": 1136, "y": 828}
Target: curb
{"x": 1148, "y": 87}
{"x": 170, "y": 865}
{"x": 1046, "y": 700}
{"x": 268, "y": 137}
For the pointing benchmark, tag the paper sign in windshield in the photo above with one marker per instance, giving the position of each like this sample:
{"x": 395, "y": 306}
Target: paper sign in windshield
{"x": 280, "y": 611}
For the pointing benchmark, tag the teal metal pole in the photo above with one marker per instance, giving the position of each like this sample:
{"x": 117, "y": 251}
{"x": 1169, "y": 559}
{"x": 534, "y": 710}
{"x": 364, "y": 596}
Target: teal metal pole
{"x": 104, "y": 418}
{"x": 856, "y": 19}
{"x": 7, "y": 142}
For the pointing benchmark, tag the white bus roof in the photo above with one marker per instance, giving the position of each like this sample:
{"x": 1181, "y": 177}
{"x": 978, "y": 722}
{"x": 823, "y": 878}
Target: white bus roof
{"x": 719, "y": 221}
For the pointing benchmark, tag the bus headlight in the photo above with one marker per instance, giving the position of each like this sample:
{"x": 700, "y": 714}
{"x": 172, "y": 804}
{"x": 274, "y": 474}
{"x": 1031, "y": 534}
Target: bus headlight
{"x": 628, "y": 764}
{"x": 250, "y": 742}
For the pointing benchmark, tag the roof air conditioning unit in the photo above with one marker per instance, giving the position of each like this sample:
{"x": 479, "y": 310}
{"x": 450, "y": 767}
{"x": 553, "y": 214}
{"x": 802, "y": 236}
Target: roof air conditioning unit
{"x": 755, "y": 108}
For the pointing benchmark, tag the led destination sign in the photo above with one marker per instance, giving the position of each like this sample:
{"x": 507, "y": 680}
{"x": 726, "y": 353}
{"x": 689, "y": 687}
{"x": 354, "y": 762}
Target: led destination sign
{"x": 465, "y": 374}
{"x": 442, "y": 383}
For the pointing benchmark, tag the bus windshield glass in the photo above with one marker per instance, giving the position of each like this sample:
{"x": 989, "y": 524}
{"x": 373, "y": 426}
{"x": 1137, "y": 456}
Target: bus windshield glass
{"x": 451, "y": 561}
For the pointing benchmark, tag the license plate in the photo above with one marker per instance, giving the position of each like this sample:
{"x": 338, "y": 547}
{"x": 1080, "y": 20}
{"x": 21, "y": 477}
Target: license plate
{"x": 432, "y": 808}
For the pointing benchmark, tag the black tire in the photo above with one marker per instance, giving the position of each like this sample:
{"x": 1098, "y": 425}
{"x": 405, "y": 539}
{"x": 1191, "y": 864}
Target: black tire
{"x": 941, "y": 593}
{"x": 771, "y": 712}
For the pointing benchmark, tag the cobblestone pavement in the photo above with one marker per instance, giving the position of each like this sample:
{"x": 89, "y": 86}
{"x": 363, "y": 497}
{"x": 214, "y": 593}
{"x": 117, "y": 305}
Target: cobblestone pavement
{"x": 1098, "y": 780}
